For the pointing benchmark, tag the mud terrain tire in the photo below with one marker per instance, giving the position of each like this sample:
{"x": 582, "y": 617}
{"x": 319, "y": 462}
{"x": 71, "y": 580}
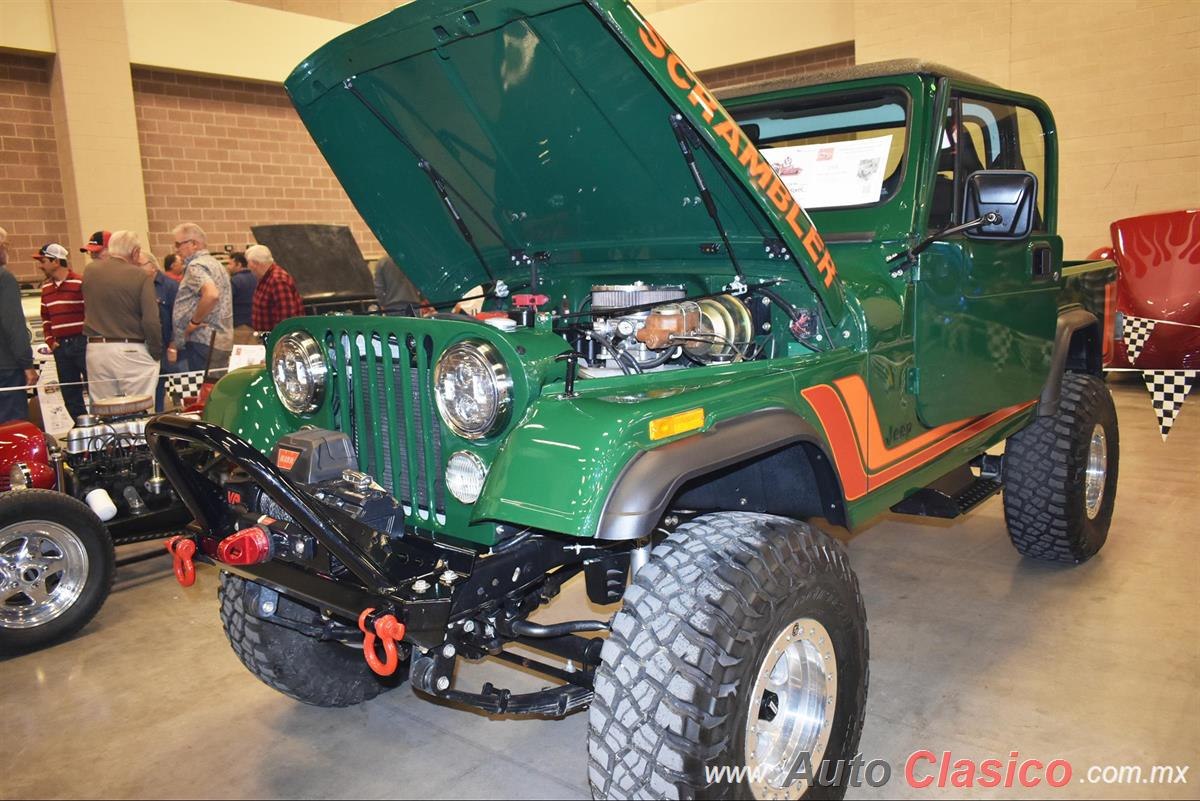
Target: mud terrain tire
{"x": 321, "y": 673}
{"x": 1050, "y": 512}
{"x": 700, "y": 624}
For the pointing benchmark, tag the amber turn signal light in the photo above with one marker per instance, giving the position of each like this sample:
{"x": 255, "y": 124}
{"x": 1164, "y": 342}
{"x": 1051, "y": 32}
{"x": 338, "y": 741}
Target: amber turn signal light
{"x": 665, "y": 427}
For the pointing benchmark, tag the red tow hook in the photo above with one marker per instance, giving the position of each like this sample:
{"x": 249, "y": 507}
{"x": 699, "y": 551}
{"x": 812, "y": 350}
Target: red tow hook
{"x": 182, "y": 549}
{"x": 389, "y": 631}
{"x": 250, "y": 546}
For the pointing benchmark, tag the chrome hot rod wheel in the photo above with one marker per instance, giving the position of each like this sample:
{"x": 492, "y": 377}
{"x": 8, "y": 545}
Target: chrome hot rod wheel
{"x": 56, "y": 568}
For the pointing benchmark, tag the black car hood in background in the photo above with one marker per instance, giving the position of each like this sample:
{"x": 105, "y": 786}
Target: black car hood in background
{"x": 324, "y": 260}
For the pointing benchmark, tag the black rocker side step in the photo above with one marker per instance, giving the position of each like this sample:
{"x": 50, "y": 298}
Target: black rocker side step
{"x": 954, "y": 494}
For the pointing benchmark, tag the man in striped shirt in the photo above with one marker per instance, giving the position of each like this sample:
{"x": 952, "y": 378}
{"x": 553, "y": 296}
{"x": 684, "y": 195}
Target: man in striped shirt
{"x": 62, "y": 323}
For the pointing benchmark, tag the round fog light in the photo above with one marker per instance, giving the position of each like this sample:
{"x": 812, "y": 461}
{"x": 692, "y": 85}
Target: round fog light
{"x": 465, "y": 473}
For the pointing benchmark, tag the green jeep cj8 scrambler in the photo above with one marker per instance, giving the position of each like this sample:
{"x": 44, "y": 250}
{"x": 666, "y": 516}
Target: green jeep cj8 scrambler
{"x": 656, "y": 372}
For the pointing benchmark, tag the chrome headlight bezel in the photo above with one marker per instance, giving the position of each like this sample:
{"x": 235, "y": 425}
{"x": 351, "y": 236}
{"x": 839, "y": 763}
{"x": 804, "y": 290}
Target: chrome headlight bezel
{"x": 301, "y": 348}
{"x": 484, "y": 355}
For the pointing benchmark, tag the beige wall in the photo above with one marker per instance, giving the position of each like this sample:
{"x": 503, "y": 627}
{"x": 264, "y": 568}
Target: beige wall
{"x": 355, "y": 12}
{"x": 26, "y": 25}
{"x": 1122, "y": 77}
{"x": 91, "y": 97}
{"x": 713, "y": 33}
{"x": 226, "y": 36}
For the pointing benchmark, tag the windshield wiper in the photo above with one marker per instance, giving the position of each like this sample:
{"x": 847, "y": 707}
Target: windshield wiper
{"x": 684, "y": 133}
{"x": 440, "y": 185}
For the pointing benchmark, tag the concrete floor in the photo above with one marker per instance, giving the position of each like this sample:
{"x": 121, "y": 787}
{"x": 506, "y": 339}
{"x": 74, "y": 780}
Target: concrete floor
{"x": 974, "y": 651}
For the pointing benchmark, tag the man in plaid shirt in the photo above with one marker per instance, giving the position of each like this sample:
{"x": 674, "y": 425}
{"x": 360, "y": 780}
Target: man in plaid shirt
{"x": 275, "y": 297}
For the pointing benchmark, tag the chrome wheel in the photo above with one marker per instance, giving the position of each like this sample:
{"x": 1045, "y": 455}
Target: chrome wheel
{"x": 1096, "y": 474}
{"x": 43, "y": 569}
{"x": 792, "y": 708}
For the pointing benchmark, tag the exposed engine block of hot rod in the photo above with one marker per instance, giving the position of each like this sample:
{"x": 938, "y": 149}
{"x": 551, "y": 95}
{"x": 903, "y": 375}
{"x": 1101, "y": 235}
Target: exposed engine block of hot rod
{"x": 102, "y": 461}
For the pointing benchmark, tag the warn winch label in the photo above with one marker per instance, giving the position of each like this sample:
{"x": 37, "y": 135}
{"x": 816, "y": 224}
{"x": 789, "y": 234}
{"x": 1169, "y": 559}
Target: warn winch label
{"x": 286, "y": 459}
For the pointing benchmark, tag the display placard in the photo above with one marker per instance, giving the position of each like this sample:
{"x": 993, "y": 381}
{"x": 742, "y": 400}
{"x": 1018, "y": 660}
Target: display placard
{"x": 832, "y": 174}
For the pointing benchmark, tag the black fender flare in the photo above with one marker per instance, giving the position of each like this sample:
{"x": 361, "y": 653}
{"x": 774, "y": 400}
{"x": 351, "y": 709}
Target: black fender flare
{"x": 1089, "y": 359}
{"x": 639, "y": 497}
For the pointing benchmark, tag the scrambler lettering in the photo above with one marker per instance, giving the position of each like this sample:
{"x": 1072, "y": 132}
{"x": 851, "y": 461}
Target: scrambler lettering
{"x": 758, "y": 170}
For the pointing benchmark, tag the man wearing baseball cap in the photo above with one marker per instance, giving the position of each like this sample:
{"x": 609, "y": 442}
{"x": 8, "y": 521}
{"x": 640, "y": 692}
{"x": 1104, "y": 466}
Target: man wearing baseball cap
{"x": 97, "y": 245}
{"x": 62, "y": 323}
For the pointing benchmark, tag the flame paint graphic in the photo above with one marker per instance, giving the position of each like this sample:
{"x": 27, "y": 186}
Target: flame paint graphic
{"x": 1159, "y": 279}
{"x": 1157, "y": 239}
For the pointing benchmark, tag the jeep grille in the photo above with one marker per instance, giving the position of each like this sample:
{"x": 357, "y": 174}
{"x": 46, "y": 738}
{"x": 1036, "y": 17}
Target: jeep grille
{"x": 398, "y": 442}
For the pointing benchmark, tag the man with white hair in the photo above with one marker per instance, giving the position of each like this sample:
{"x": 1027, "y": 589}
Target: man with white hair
{"x": 16, "y": 355}
{"x": 203, "y": 318}
{"x": 121, "y": 322}
{"x": 275, "y": 297}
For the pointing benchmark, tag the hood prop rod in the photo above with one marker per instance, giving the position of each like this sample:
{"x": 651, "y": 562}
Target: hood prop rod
{"x": 684, "y": 132}
{"x": 440, "y": 184}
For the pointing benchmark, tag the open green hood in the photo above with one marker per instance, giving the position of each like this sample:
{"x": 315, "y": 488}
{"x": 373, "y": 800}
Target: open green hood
{"x": 549, "y": 123}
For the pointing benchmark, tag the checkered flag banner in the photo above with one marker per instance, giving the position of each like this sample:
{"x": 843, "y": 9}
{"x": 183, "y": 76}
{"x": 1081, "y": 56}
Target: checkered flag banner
{"x": 185, "y": 385}
{"x": 1168, "y": 390}
{"x": 1136, "y": 331}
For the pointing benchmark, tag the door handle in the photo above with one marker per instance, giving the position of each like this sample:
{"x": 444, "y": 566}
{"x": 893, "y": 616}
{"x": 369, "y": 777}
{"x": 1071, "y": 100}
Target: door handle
{"x": 1041, "y": 262}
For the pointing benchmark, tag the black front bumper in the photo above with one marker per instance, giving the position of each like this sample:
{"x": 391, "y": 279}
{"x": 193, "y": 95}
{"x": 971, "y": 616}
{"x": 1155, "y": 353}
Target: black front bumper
{"x": 368, "y": 568}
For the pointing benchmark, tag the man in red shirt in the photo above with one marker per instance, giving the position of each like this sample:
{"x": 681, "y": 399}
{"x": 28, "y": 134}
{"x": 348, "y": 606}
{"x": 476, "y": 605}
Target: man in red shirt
{"x": 62, "y": 323}
{"x": 275, "y": 297}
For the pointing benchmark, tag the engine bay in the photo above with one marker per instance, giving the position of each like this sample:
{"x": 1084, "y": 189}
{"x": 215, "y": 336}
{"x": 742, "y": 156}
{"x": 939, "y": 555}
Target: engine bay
{"x": 637, "y": 327}
{"x": 672, "y": 333}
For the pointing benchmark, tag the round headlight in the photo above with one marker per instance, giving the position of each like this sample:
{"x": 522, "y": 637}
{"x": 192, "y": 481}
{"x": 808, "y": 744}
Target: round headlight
{"x": 465, "y": 473}
{"x": 20, "y": 476}
{"x": 473, "y": 389}
{"x": 299, "y": 369}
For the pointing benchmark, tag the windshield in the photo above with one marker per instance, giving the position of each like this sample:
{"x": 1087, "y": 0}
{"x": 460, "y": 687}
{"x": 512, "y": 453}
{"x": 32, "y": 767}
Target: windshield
{"x": 834, "y": 151}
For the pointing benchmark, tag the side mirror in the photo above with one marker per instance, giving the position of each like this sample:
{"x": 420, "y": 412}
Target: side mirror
{"x": 1010, "y": 193}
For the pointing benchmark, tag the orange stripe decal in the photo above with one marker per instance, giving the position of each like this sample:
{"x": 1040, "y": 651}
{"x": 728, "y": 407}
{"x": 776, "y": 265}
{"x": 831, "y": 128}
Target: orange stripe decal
{"x": 980, "y": 425}
{"x": 828, "y": 406}
{"x": 852, "y": 428}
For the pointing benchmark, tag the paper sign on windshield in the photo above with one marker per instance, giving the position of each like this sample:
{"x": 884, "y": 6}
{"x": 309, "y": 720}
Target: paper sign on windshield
{"x": 846, "y": 173}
